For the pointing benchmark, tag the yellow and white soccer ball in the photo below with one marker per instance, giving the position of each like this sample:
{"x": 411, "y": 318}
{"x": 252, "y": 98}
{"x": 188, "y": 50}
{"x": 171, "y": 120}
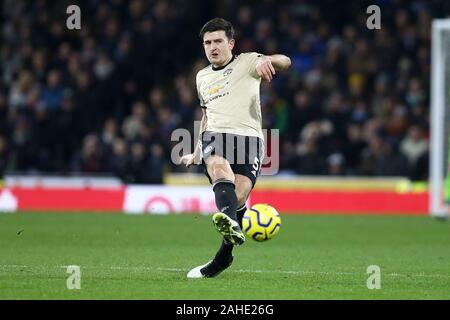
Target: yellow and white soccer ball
{"x": 261, "y": 222}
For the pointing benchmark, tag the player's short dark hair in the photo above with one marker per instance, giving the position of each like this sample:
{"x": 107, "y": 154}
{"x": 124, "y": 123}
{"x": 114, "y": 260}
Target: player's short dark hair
{"x": 218, "y": 24}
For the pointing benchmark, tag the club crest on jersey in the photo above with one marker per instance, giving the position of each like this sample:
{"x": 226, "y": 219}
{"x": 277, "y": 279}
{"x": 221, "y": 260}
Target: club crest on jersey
{"x": 208, "y": 149}
{"x": 227, "y": 72}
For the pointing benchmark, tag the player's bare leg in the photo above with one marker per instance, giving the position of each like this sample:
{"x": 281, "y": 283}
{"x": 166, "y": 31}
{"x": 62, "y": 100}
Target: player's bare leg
{"x": 219, "y": 168}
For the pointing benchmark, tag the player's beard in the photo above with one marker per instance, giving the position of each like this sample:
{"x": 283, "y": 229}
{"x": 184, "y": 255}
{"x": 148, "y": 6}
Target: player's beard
{"x": 219, "y": 60}
{"x": 215, "y": 59}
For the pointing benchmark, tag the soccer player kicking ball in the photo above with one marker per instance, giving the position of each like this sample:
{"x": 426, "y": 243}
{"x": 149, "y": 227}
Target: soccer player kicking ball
{"x": 231, "y": 138}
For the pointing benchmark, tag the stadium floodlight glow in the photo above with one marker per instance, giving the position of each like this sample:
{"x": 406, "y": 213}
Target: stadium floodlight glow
{"x": 439, "y": 191}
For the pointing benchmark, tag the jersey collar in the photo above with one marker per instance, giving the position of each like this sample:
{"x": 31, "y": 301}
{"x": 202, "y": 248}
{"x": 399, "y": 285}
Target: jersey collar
{"x": 222, "y": 67}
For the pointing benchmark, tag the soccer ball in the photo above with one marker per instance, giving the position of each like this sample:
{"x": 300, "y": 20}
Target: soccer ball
{"x": 261, "y": 222}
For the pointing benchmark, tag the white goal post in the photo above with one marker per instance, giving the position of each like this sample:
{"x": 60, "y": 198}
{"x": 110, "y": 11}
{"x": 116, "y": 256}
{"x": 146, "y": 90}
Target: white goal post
{"x": 440, "y": 119}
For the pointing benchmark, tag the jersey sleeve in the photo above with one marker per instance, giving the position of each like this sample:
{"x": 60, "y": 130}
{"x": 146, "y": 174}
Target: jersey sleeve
{"x": 200, "y": 98}
{"x": 252, "y": 60}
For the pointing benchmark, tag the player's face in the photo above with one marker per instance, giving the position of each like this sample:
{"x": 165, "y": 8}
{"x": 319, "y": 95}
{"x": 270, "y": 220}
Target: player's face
{"x": 217, "y": 47}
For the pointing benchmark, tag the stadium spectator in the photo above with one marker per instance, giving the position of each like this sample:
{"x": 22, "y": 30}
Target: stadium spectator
{"x": 118, "y": 160}
{"x": 53, "y": 94}
{"x": 67, "y": 134}
{"x": 414, "y": 146}
{"x": 21, "y": 90}
{"x": 147, "y": 165}
{"x": 128, "y": 74}
{"x": 110, "y": 133}
{"x": 134, "y": 124}
{"x": 3, "y": 155}
{"x": 91, "y": 159}
{"x": 22, "y": 144}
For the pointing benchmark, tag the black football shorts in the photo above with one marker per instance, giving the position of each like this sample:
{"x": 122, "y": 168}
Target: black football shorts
{"x": 244, "y": 153}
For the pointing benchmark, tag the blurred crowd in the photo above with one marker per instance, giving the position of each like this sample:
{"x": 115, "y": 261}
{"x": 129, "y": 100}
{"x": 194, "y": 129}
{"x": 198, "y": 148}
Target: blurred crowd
{"x": 105, "y": 99}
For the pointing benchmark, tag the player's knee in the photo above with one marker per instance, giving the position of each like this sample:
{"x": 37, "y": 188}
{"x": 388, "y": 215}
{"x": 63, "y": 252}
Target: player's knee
{"x": 220, "y": 173}
{"x": 241, "y": 201}
{"x": 242, "y": 196}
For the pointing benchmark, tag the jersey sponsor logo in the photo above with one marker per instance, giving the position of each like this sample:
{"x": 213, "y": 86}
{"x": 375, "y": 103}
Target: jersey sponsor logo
{"x": 216, "y": 97}
{"x": 215, "y": 89}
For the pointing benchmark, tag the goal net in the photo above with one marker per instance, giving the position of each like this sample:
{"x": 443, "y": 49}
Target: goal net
{"x": 439, "y": 190}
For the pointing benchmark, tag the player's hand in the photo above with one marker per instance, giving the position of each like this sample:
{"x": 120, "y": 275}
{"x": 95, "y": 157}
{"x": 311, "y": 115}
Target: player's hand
{"x": 188, "y": 159}
{"x": 265, "y": 69}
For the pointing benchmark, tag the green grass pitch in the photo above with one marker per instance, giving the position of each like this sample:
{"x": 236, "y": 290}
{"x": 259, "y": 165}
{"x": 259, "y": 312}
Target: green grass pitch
{"x": 147, "y": 257}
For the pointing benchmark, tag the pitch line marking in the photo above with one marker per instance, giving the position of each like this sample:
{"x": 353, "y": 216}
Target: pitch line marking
{"x": 304, "y": 272}
{"x": 395, "y": 274}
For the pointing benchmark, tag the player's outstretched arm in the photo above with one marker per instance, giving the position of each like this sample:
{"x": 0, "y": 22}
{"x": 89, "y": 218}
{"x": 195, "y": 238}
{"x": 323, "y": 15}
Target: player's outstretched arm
{"x": 280, "y": 62}
{"x": 194, "y": 158}
{"x": 268, "y": 65}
